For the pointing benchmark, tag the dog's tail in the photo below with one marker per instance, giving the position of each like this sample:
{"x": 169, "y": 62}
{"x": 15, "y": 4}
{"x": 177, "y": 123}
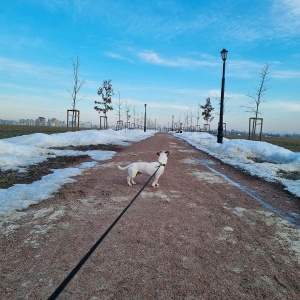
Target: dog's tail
{"x": 123, "y": 168}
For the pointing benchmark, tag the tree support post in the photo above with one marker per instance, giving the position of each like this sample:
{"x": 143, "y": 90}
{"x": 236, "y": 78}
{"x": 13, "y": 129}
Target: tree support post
{"x": 74, "y": 113}
{"x": 104, "y": 122}
{"x": 253, "y": 123}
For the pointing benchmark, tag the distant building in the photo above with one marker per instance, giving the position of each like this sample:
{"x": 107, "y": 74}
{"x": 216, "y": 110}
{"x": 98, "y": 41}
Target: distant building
{"x": 40, "y": 121}
{"x": 29, "y": 122}
{"x": 8, "y": 122}
{"x": 53, "y": 122}
{"x": 86, "y": 125}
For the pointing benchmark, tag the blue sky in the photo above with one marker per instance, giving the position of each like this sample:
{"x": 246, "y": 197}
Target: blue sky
{"x": 163, "y": 53}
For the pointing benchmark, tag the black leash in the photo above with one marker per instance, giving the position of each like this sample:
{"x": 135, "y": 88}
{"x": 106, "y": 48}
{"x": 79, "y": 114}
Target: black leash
{"x": 56, "y": 293}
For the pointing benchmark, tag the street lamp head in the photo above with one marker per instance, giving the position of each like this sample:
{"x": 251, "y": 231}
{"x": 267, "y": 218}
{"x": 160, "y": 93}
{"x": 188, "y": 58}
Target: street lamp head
{"x": 224, "y": 54}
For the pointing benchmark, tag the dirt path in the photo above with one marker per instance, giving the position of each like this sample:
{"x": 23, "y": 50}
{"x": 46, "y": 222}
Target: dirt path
{"x": 194, "y": 237}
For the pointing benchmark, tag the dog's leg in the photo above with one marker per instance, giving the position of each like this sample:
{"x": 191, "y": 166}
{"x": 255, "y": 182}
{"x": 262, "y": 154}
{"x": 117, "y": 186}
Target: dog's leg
{"x": 129, "y": 180}
{"x": 155, "y": 181}
{"x": 131, "y": 174}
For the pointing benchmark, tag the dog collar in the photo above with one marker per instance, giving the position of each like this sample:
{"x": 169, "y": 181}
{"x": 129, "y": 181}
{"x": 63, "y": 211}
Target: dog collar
{"x": 162, "y": 165}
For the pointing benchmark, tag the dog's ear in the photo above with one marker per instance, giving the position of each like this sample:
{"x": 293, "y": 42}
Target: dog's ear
{"x": 167, "y": 152}
{"x": 158, "y": 153}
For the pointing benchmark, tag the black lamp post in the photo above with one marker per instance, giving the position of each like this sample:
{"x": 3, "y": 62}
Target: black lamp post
{"x": 220, "y": 134}
{"x": 145, "y": 119}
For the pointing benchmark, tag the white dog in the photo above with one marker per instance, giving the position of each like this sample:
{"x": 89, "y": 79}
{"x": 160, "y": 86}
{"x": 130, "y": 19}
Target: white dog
{"x": 147, "y": 168}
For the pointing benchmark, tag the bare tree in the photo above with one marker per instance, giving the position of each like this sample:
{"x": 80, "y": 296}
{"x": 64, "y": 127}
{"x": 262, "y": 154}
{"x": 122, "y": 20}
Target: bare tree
{"x": 218, "y": 98}
{"x": 191, "y": 116}
{"x": 186, "y": 119}
{"x": 138, "y": 119}
{"x": 134, "y": 115}
{"x": 127, "y": 110}
{"x": 119, "y": 108}
{"x": 257, "y": 97}
{"x": 179, "y": 119}
{"x": 142, "y": 119}
{"x": 198, "y": 114}
{"x": 77, "y": 85}
{"x": 105, "y": 92}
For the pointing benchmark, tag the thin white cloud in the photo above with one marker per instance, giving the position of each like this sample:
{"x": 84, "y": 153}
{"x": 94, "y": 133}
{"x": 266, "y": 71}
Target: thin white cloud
{"x": 250, "y": 69}
{"x": 167, "y": 106}
{"x": 165, "y": 20}
{"x": 285, "y": 74}
{"x": 287, "y": 17}
{"x": 286, "y": 106}
{"x": 8, "y": 65}
{"x": 55, "y": 5}
{"x": 243, "y": 68}
{"x": 235, "y": 68}
{"x": 118, "y": 56}
{"x": 152, "y": 57}
{"x": 288, "y": 7}
{"x": 16, "y": 42}
{"x": 15, "y": 87}
{"x": 152, "y": 104}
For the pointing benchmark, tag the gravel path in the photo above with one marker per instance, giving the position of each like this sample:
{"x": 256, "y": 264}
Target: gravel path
{"x": 197, "y": 236}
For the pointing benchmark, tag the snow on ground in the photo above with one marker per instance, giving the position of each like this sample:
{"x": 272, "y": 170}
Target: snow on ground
{"x": 261, "y": 159}
{"x": 258, "y": 158}
{"x": 19, "y": 152}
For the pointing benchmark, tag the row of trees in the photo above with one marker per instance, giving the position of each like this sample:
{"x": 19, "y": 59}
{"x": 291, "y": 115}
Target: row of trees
{"x": 205, "y": 110}
{"x": 106, "y": 93}
{"x": 253, "y": 107}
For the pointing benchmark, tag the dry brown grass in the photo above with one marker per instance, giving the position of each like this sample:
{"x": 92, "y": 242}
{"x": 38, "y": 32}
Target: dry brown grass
{"x": 7, "y": 131}
{"x": 290, "y": 143}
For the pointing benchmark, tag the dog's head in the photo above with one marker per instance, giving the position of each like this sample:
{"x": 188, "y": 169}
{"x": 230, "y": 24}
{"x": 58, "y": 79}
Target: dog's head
{"x": 163, "y": 156}
{"x": 166, "y": 152}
